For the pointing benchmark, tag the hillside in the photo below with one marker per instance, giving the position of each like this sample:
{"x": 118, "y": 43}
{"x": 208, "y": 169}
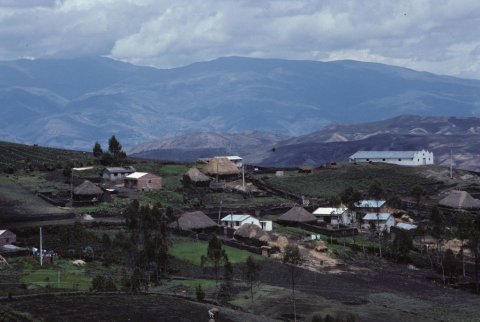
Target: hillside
{"x": 73, "y": 103}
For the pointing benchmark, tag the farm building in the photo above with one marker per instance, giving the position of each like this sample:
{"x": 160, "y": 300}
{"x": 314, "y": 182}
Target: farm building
{"x": 460, "y": 200}
{"x": 411, "y": 158}
{"x": 225, "y": 169}
{"x": 87, "y": 191}
{"x": 236, "y": 160}
{"x": 143, "y": 181}
{"x": 334, "y": 216}
{"x": 117, "y": 174}
{"x": 297, "y": 215}
{"x": 198, "y": 178}
{"x": 236, "y": 221}
{"x": 381, "y": 220}
{"x": 196, "y": 221}
{"x": 7, "y": 237}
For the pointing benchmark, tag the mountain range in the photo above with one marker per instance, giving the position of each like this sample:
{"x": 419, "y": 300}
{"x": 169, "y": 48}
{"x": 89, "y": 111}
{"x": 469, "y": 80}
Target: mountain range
{"x": 72, "y": 103}
{"x": 336, "y": 142}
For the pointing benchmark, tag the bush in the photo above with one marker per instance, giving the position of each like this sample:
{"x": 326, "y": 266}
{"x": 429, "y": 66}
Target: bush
{"x": 199, "y": 292}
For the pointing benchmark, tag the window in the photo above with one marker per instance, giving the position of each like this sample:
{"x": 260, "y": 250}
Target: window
{"x": 149, "y": 181}
{"x": 115, "y": 174}
{"x": 368, "y": 159}
{"x": 383, "y": 159}
{"x": 399, "y": 159}
{"x": 8, "y": 240}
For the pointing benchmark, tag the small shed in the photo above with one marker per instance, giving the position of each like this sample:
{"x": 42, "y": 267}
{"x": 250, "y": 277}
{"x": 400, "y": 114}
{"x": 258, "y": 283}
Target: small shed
{"x": 334, "y": 216}
{"x": 297, "y": 215}
{"x": 381, "y": 220}
{"x": 7, "y": 237}
{"x": 196, "y": 221}
{"x": 87, "y": 191}
{"x": 225, "y": 169}
{"x": 198, "y": 178}
{"x": 143, "y": 181}
{"x": 460, "y": 200}
{"x": 117, "y": 174}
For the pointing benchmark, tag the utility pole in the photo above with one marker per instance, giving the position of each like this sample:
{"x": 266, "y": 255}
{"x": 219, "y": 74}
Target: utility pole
{"x": 58, "y": 282}
{"x": 217, "y": 173}
{"x": 41, "y": 250}
{"x": 451, "y": 164}
{"x": 220, "y": 211}
{"x": 243, "y": 177}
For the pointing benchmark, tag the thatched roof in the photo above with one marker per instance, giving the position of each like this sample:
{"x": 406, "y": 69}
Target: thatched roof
{"x": 194, "y": 221}
{"x": 254, "y": 232}
{"x": 297, "y": 214}
{"x": 196, "y": 176}
{"x": 305, "y": 168}
{"x": 87, "y": 188}
{"x": 225, "y": 167}
{"x": 460, "y": 200}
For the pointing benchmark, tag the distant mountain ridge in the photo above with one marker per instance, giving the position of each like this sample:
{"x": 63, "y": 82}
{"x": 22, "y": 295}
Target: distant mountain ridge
{"x": 74, "y": 102}
{"x": 337, "y": 142}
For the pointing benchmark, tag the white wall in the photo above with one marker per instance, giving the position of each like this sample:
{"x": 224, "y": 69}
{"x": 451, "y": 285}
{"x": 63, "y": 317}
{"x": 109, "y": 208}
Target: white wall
{"x": 416, "y": 160}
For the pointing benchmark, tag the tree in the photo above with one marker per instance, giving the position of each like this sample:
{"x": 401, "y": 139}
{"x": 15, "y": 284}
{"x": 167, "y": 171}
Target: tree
{"x": 199, "y": 292}
{"x": 350, "y": 197}
{"x": 463, "y": 224}
{"x": 251, "y": 273}
{"x": 216, "y": 256}
{"x": 67, "y": 171}
{"x": 97, "y": 150}
{"x": 334, "y": 200}
{"x": 395, "y": 202}
{"x": 293, "y": 259}
{"x": 402, "y": 244}
{"x": 114, "y": 147}
{"x": 437, "y": 227}
{"x": 474, "y": 246}
{"x": 418, "y": 192}
{"x": 106, "y": 159}
{"x": 450, "y": 263}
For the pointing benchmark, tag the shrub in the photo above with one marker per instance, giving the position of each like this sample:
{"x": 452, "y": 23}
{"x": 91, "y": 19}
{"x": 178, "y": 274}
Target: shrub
{"x": 199, "y": 292}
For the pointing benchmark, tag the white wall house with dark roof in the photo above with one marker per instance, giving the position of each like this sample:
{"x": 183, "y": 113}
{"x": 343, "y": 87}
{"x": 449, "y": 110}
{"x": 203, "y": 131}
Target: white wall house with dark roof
{"x": 380, "y": 220}
{"x": 411, "y": 158}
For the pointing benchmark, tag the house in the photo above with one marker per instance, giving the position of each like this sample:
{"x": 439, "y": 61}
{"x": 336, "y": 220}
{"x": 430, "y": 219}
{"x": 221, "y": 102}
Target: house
{"x": 222, "y": 167}
{"x": 143, "y": 181}
{"x": 366, "y": 206}
{"x": 236, "y": 160}
{"x": 198, "y": 178}
{"x": 334, "y": 216}
{"x": 236, "y": 221}
{"x": 7, "y": 237}
{"x": 87, "y": 191}
{"x": 381, "y": 220}
{"x": 460, "y": 200}
{"x": 297, "y": 215}
{"x": 195, "y": 221}
{"x": 117, "y": 174}
{"x": 411, "y": 158}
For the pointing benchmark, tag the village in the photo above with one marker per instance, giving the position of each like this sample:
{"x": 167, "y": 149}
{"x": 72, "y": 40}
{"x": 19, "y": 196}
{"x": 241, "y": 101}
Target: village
{"x": 234, "y": 240}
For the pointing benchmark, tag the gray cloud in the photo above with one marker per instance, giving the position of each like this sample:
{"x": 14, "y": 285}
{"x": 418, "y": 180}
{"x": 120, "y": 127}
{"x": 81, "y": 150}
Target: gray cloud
{"x": 437, "y": 36}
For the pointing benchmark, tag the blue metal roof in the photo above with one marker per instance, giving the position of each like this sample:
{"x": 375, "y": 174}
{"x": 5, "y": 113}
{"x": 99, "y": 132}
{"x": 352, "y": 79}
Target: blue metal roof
{"x": 235, "y": 217}
{"x": 406, "y": 226}
{"x": 373, "y": 216}
{"x": 370, "y": 203}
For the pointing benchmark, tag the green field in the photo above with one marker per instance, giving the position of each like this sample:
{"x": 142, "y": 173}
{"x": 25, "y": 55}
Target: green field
{"x": 50, "y": 278}
{"x": 190, "y": 251}
{"x": 325, "y": 183}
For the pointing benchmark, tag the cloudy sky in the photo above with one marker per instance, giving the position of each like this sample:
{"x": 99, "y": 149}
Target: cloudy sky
{"x": 440, "y": 36}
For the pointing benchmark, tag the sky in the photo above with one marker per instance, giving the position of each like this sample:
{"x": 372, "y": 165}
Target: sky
{"x": 438, "y": 36}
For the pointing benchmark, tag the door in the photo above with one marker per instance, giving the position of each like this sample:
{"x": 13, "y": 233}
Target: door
{"x": 424, "y": 161}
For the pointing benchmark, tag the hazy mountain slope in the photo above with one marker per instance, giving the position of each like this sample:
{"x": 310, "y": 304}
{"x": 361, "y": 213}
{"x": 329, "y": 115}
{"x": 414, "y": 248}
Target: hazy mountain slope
{"x": 101, "y": 97}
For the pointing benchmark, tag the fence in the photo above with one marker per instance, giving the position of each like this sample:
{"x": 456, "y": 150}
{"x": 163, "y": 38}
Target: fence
{"x": 329, "y": 232}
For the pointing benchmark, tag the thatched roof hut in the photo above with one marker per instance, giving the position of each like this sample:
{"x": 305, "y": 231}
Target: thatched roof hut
{"x": 199, "y": 178}
{"x": 297, "y": 215}
{"x": 87, "y": 190}
{"x": 460, "y": 200}
{"x": 196, "y": 221}
{"x": 225, "y": 168}
{"x": 305, "y": 169}
{"x": 252, "y": 233}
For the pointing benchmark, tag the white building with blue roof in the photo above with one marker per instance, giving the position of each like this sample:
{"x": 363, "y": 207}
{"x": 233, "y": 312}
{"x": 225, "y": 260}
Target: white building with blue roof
{"x": 380, "y": 220}
{"x": 235, "y": 221}
{"x": 410, "y": 158}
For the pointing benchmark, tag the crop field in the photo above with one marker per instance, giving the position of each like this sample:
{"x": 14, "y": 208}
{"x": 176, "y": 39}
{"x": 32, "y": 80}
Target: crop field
{"x": 325, "y": 183}
{"x": 190, "y": 251}
{"x": 21, "y": 154}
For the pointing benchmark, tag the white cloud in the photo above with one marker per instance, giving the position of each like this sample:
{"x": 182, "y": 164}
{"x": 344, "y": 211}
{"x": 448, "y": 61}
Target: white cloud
{"x": 436, "y": 36}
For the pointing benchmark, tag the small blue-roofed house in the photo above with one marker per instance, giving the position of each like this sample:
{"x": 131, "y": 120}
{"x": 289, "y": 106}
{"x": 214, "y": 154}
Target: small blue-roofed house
{"x": 381, "y": 220}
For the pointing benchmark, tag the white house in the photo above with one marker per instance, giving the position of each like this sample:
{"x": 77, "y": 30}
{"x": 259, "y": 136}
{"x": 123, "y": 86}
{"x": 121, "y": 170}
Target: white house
{"x": 381, "y": 220}
{"x": 236, "y": 160}
{"x": 235, "y": 221}
{"x": 334, "y": 216}
{"x": 411, "y": 158}
{"x": 117, "y": 174}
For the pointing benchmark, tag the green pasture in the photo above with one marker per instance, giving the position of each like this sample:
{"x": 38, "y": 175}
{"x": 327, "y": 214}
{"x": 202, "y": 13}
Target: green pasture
{"x": 50, "y": 278}
{"x": 190, "y": 251}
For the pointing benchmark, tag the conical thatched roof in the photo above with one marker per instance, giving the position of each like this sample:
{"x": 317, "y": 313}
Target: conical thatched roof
{"x": 305, "y": 168}
{"x": 196, "y": 176}
{"x": 297, "y": 214}
{"x": 194, "y": 221}
{"x": 225, "y": 167}
{"x": 253, "y": 232}
{"x": 460, "y": 200}
{"x": 87, "y": 188}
